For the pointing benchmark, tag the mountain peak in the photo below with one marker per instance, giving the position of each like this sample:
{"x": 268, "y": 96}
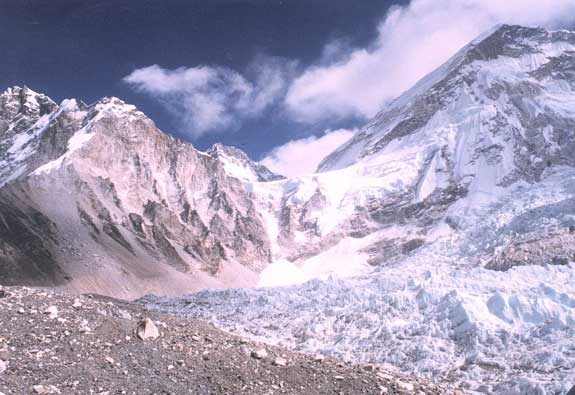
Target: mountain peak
{"x": 24, "y": 101}
{"x": 115, "y": 105}
{"x": 505, "y": 60}
{"x": 237, "y": 164}
{"x": 506, "y": 40}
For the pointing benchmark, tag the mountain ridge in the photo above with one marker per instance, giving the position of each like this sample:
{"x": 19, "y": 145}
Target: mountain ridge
{"x": 440, "y": 243}
{"x": 120, "y": 174}
{"x": 489, "y": 122}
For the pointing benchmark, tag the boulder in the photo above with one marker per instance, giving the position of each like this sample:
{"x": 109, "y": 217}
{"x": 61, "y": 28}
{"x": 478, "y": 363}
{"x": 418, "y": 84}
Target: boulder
{"x": 147, "y": 330}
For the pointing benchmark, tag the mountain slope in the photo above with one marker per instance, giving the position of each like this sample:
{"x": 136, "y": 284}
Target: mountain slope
{"x": 496, "y": 117}
{"x": 97, "y": 198}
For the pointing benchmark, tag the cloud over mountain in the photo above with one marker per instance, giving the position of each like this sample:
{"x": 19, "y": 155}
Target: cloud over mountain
{"x": 206, "y": 99}
{"x": 302, "y": 156}
{"x": 411, "y": 42}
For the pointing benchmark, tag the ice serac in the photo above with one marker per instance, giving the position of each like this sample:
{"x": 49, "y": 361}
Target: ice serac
{"x": 96, "y": 198}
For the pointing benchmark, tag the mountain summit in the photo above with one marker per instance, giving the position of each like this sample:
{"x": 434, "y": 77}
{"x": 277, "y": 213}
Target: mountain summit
{"x": 506, "y": 78}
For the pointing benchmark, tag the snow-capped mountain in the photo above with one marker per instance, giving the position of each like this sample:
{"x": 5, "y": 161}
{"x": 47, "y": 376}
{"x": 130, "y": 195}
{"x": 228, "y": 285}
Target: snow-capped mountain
{"x": 453, "y": 215}
{"x": 96, "y": 198}
{"x": 505, "y": 79}
{"x": 496, "y": 119}
{"x": 494, "y": 122}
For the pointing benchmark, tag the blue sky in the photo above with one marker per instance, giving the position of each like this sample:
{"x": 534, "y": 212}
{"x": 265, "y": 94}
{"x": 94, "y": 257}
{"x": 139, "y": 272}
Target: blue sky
{"x": 84, "y": 49}
{"x": 285, "y": 80}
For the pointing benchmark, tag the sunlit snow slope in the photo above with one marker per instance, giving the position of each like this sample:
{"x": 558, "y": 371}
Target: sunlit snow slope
{"x": 496, "y": 117}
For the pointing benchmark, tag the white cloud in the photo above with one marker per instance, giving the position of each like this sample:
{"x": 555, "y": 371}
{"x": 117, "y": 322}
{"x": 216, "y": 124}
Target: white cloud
{"x": 412, "y": 41}
{"x": 214, "y": 99}
{"x": 300, "y": 157}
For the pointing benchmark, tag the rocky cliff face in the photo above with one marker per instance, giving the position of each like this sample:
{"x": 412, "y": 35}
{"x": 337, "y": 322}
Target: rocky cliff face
{"x": 97, "y": 197}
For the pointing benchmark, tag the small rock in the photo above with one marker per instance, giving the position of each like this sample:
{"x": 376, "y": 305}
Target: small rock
{"x": 4, "y": 354}
{"x": 260, "y": 353}
{"x": 110, "y": 360}
{"x": 339, "y": 378}
{"x": 406, "y": 386}
{"x": 385, "y": 376}
{"x": 84, "y": 327}
{"x": 52, "y": 311}
{"x": 279, "y": 361}
{"x": 77, "y": 304}
{"x": 45, "y": 389}
{"x": 124, "y": 314}
{"x": 147, "y": 330}
{"x": 318, "y": 358}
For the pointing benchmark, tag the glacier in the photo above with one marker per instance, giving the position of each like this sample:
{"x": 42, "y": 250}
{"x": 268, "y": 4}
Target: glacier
{"x": 435, "y": 314}
{"x": 439, "y": 240}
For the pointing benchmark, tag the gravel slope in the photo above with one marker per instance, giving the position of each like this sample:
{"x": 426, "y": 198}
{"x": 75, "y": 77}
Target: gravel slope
{"x": 61, "y": 344}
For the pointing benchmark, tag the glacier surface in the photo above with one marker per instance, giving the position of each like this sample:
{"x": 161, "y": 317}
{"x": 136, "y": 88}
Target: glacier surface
{"x": 436, "y": 313}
